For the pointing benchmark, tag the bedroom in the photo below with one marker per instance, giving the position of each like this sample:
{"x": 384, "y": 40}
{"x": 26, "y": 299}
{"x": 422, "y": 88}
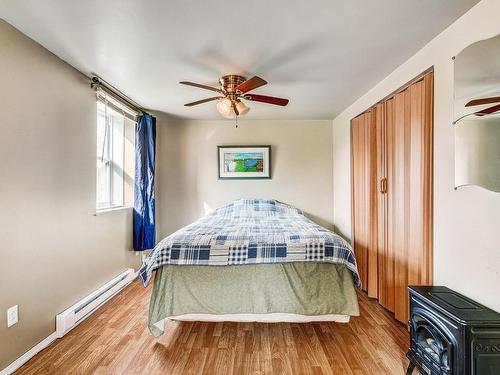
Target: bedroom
{"x": 71, "y": 300}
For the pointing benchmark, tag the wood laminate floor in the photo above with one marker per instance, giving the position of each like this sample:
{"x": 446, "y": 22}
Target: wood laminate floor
{"x": 116, "y": 340}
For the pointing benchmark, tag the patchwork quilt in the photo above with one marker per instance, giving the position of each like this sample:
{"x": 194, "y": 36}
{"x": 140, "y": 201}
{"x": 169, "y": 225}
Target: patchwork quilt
{"x": 250, "y": 231}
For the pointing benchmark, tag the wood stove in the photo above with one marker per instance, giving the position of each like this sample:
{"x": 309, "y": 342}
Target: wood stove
{"x": 452, "y": 335}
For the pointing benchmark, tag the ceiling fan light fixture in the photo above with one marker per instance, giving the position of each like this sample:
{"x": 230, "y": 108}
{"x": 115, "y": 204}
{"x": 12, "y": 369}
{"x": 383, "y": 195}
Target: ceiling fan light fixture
{"x": 231, "y": 116}
{"x": 224, "y": 107}
{"x": 242, "y": 108}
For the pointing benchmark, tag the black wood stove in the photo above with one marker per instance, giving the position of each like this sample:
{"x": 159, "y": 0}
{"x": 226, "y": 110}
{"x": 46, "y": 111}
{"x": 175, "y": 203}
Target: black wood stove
{"x": 451, "y": 334}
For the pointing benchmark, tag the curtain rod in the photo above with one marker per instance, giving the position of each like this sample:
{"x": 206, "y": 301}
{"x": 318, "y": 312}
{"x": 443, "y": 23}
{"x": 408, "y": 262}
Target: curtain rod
{"x": 98, "y": 81}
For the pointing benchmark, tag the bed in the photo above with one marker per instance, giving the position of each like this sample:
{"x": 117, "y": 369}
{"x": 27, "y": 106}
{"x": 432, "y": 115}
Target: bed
{"x": 251, "y": 260}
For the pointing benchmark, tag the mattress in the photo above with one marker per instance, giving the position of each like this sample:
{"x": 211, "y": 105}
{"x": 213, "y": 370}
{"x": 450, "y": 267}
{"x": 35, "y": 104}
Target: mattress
{"x": 262, "y": 318}
{"x": 254, "y": 318}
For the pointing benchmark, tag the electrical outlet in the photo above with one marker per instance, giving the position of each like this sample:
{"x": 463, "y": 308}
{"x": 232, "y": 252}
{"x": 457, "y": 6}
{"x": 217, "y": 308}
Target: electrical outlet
{"x": 12, "y": 316}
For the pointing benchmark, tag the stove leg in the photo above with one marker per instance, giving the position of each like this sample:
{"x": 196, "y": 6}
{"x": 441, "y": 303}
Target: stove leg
{"x": 410, "y": 369}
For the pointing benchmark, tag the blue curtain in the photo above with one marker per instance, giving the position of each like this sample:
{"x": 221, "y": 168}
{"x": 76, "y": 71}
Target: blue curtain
{"x": 144, "y": 188}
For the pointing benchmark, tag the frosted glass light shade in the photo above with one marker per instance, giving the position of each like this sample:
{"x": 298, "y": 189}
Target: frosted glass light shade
{"x": 230, "y": 116}
{"x": 225, "y": 108}
{"x": 242, "y": 108}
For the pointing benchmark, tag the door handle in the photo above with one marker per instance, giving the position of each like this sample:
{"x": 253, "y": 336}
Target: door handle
{"x": 383, "y": 185}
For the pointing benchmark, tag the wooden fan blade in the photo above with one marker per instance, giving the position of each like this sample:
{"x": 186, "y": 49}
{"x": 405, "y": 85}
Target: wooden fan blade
{"x": 202, "y": 86}
{"x": 203, "y": 101}
{"x": 266, "y": 99}
{"x": 488, "y": 111}
{"x": 494, "y": 99}
{"x": 250, "y": 84}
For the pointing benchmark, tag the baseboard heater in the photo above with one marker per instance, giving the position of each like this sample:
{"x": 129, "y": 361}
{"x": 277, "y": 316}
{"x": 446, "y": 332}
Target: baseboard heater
{"x": 74, "y": 315}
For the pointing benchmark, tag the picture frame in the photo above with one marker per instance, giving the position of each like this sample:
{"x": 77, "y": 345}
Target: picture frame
{"x": 244, "y": 162}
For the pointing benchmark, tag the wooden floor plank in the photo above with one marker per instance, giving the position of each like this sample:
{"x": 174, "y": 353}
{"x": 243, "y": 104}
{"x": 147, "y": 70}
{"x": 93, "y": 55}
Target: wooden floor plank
{"x": 116, "y": 340}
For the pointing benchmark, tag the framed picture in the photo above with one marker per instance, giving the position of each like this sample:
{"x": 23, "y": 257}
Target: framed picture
{"x": 244, "y": 162}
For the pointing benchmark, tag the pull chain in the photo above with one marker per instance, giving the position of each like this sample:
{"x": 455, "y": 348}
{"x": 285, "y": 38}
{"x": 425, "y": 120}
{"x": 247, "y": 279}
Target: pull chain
{"x": 236, "y": 122}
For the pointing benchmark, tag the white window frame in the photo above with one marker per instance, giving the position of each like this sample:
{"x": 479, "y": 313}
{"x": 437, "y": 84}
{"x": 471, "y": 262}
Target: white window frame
{"x": 112, "y": 151}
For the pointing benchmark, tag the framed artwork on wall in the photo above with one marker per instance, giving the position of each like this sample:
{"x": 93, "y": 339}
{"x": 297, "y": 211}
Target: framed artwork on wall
{"x": 244, "y": 162}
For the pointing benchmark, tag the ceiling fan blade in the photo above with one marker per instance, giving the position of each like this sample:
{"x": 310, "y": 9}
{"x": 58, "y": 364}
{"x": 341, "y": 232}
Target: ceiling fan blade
{"x": 266, "y": 99}
{"x": 488, "y": 111}
{"x": 203, "y": 101}
{"x": 201, "y": 86}
{"x": 494, "y": 99}
{"x": 251, "y": 84}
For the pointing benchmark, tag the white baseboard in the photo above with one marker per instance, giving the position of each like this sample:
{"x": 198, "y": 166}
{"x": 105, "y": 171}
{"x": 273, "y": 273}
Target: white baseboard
{"x": 55, "y": 335}
{"x": 29, "y": 354}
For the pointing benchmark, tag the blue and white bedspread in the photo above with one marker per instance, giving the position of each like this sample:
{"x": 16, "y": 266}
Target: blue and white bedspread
{"x": 250, "y": 231}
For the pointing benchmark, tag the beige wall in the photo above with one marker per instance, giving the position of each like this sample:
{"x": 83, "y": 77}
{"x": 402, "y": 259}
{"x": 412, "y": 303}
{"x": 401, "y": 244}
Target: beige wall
{"x": 187, "y": 174}
{"x": 53, "y": 249}
{"x": 467, "y": 221}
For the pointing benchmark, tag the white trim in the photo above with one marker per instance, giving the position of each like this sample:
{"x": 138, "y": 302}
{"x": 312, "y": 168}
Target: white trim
{"x": 97, "y": 298}
{"x": 101, "y": 211}
{"x": 29, "y": 354}
{"x": 104, "y": 97}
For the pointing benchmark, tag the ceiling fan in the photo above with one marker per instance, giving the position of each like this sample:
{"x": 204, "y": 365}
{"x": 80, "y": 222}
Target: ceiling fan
{"x": 232, "y": 89}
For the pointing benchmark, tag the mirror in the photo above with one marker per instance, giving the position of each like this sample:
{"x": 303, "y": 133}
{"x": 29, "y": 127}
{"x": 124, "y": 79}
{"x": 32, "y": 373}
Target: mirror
{"x": 477, "y": 115}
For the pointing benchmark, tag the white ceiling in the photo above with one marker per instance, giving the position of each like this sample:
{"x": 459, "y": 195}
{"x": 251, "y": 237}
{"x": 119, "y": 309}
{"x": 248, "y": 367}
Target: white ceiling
{"x": 321, "y": 54}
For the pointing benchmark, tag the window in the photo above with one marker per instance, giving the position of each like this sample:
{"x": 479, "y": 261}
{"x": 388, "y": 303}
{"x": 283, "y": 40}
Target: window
{"x": 115, "y": 153}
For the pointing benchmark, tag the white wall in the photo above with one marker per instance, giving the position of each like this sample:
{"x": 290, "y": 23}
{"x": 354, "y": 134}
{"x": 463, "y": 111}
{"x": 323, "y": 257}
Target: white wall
{"x": 53, "y": 250}
{"x": 187, "y": 167}
{"x": 466, "y": 221}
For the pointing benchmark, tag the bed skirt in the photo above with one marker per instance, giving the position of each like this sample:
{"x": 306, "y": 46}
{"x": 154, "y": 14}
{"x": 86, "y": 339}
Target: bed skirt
{"x": 262, "y": 292}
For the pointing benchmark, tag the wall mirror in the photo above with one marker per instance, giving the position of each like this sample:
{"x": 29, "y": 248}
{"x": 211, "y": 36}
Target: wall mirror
{"x": 477, "y": 115}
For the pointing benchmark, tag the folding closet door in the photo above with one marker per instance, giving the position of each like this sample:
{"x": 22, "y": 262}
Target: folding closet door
{"x": 392, "y": 194}
{"x": 364, "y": 203}
{"x": 419, "y": 185}
{"x": 409, "y": 191}
{"x": 359, "y": 202}
{"x": 397, "y": 220}
{"x": 372, "y": 254}
{"x": 384, "y": 120}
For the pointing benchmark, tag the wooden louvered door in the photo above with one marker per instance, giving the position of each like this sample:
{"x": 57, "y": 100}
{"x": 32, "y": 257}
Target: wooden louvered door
{"x": 396, "y": 228}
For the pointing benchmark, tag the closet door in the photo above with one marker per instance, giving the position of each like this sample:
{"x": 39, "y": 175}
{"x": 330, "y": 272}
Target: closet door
{"x": 397, "y": 223}
{"x": 392, "y": 158}
{"x": 384, "y": 114}
{"x": 420, "y": 182}
{"x": 364, "y": 199}
{"x": 409, "y": 173}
